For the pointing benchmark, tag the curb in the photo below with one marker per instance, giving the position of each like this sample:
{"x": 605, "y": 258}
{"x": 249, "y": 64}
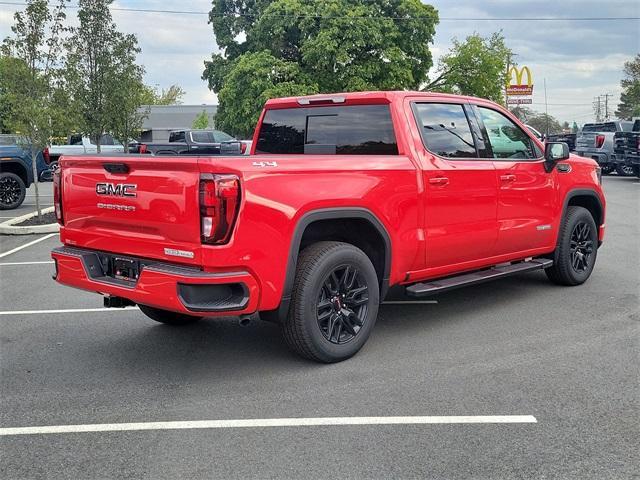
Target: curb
{"x": 10, "y": 228}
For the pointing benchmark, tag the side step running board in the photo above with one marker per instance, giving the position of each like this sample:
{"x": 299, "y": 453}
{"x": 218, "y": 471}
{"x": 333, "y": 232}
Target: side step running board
{"x": 481, "y": 276}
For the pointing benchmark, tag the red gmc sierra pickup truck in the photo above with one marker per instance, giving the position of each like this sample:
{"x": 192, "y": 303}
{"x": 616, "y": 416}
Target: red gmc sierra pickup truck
{"x": 342, "y": 197}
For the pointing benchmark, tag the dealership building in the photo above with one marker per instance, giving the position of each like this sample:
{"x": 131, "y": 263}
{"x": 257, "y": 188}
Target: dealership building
{"x": 162, "y": 119}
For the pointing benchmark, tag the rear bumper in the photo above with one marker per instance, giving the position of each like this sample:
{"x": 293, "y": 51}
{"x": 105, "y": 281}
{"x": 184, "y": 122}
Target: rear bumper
{"x": 161, "y": 285}
{"x": 601, "y": 158}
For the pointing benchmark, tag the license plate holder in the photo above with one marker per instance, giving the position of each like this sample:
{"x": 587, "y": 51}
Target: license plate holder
{"x": 125, "y": 269}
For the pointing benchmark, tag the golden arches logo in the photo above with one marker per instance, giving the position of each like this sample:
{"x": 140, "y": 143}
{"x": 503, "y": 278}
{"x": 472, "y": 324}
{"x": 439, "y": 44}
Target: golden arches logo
{"x": 518, "y": 76}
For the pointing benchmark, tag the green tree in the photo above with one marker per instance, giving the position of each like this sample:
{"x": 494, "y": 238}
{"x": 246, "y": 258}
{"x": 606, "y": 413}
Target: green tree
{"x": 629, "y": 105}
{"x": 314, "y": 46}
{"x": 201, "y": 121}
{"x": 171, "y": 96}
{"x": 30, "y": 78}
{"x": 542, "y": 122}
{"x": 125, "y": 117}
{"x": 97, "y": 55}
{"x": 475, "y": 67}
{"x": 255, "y": 78}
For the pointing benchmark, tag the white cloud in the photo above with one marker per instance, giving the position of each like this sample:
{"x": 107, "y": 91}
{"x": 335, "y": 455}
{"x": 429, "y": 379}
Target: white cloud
{"x": 578, "y": 59}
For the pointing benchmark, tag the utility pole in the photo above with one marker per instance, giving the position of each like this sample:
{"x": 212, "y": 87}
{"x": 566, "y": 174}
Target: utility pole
{"x": 606, "y": 105}
{"x": 546, "y": 110}
{"x": 507, "y": 79}
{"x": 597, "y": 108}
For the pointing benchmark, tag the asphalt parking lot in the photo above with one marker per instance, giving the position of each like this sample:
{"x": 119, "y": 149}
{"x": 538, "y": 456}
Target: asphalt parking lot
{"x": 566, "y": 356}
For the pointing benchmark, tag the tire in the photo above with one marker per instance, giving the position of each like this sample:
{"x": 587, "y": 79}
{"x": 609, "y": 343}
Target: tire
{"x": 12, "y": 191}
{"x": 607, "y": 168}
{"x": 334, "y": 303}
{"x": 624, "y": 170}
{"x": 575, "y": 255}
{"x": 167, "y": 317}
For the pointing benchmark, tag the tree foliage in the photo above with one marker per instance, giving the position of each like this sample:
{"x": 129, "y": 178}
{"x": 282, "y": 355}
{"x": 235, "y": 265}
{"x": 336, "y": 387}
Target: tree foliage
{"x": 255, "y": 78}
{"x": 304, "y": 46}
{"x": 629, "y": 105}
{"x": 31, "y": 88}
{"x": 171, "y": 96}
{"x": 201, "y": 121}
{"x": 475, "y": 67}
{"x": 124, "y": 116}
{"x": 542, "y": 122}
{"x": 101, "y": 61}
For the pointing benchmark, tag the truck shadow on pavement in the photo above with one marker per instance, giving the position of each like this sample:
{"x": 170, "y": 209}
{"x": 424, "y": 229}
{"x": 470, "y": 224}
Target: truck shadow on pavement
{"x": 221, "y": 345}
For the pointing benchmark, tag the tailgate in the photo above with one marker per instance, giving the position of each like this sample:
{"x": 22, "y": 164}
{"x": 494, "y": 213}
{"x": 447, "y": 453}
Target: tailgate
{"x": 141, "y": 206}
{"x": 586, "y": 140}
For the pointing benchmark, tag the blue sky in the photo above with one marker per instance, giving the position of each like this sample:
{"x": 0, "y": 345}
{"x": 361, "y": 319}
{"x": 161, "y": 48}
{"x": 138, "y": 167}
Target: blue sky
{"x": 578, "y": 59}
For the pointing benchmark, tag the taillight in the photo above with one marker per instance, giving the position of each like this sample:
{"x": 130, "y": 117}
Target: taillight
{"x": 599, "y": 141}
{"x": 243, "y": 147}
{"x": 219, "y": 204}
{"x": 57, "y": 194}
{"x": 143, "y": 148}
{"x": 638, "y": 143}
{"x": 45, "y": 155}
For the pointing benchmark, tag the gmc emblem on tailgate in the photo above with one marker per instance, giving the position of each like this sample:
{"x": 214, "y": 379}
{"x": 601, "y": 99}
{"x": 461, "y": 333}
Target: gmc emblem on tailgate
{"x": 116, "y": 189}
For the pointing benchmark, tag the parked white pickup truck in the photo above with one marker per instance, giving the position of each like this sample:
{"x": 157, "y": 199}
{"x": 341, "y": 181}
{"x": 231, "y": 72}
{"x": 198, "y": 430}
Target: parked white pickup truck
{"x": 78, "y": 144}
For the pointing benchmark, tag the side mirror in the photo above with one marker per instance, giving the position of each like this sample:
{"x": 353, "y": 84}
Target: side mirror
{"x": 553, "y": 153}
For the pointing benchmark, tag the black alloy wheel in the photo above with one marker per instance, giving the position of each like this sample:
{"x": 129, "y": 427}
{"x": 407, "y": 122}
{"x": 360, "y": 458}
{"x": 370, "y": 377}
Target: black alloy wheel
{"x": 625, "y": 170}
{"x": 334, "y": 302}
{"x": 576, "y": 250}
{"x": 342, "y": 304}
{"x": 12, "y": 191}
{"x": 581, "y": 247}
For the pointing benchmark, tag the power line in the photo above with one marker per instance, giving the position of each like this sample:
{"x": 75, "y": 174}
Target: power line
{"x": 380, "y": 17}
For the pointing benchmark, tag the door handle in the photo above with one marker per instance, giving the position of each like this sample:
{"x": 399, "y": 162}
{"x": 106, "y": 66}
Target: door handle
{"x": 439, "y": 181}
{"x": 508, "y": 178}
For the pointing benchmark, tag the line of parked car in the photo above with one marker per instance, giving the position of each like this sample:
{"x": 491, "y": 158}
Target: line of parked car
{"x": 16, "y": 173}
{"x": 614, "y": 145}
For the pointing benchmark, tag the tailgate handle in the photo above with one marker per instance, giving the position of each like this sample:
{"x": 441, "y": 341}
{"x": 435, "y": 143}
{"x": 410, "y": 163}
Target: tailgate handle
{"x": 116, "y": 167}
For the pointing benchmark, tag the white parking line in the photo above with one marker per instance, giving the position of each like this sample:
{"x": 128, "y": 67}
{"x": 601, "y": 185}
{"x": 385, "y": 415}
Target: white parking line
{"x": 266, "y": 422}
{"x": 64, "y": 310}
{"x": 8, "y": 264}
{"x": 409, "y": 302}
{"x": 17, "y": 249}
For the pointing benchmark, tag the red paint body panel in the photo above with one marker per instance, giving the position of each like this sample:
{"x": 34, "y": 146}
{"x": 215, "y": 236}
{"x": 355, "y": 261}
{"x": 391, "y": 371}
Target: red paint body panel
{"x": 436, "y": 228}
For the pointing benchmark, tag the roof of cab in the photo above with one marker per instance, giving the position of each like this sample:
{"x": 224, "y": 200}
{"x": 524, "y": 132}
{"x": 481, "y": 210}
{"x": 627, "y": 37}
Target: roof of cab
{"x": 360, "y": 98}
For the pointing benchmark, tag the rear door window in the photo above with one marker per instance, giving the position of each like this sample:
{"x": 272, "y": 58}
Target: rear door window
{"x": 445, "y": 129}
{"x": 344, "y": 130}
{"x": 176, "y": 137}
{"x": 75, "y": 140}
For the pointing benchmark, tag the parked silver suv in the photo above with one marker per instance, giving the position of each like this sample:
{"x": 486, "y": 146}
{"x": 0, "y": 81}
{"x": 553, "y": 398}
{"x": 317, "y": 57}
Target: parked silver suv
{"x": 596, "y": 141}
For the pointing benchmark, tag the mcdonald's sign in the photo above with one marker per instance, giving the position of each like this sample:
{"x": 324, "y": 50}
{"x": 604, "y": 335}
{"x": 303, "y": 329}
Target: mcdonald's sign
{"x": 515, "y": 86}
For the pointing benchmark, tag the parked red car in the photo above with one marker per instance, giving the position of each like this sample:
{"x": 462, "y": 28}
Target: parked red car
{"x": 342, "y": 197}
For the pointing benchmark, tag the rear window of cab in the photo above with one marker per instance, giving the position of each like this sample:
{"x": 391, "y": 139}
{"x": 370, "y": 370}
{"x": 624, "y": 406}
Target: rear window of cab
{"x": 343, "y": 130}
